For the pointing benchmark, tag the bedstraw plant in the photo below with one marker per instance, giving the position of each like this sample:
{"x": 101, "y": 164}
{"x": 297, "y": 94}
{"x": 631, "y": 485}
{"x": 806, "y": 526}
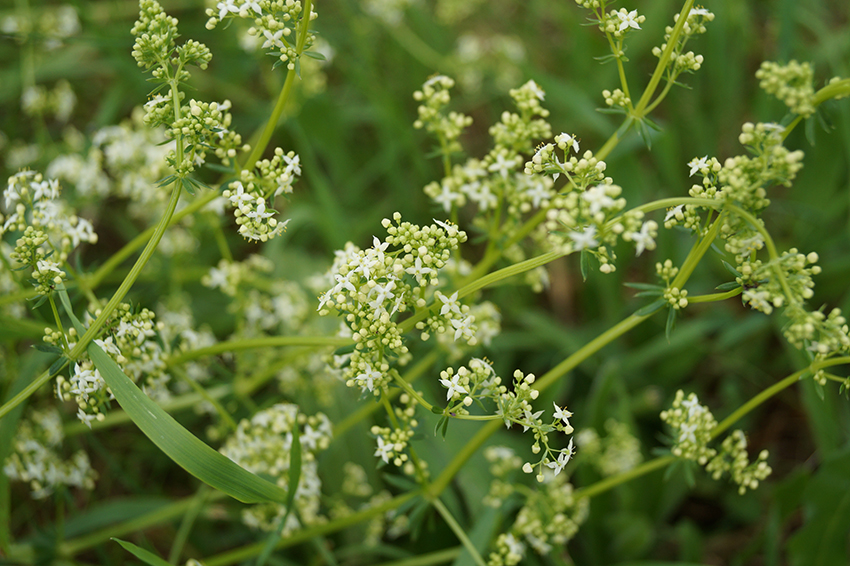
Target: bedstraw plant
{"x": 345, "y": 404}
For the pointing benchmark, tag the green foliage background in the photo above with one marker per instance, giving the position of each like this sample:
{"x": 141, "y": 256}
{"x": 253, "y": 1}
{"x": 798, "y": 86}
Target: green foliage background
{"x": 363, "y": 160}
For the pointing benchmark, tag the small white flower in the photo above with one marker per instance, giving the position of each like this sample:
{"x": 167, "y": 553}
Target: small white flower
{"x": 563, "y": 459}
{"x": 585, "y": 239}
{"x": 450, "y": 304}
{"x": 273, "y": 39}
{"x": 453, "y": 387}
{"x": 536, "y": 90}
{"x": 628, "y": 20}
{"x": 384, "y": 450}
{"x": 569, "y": 140}
{"x": 697, "y": 164}
{"x": 564, "y": 415}
{"x": 674, "y": 212}
{"x": 227, "y": 7}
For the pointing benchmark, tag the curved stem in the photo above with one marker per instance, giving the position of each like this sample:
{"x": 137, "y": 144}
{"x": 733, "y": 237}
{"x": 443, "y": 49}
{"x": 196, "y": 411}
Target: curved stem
{"x": 253, "y": 343}
{"x": 458, "y": 531}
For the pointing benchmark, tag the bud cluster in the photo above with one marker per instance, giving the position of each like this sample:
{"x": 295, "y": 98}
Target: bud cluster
{"x": 791, "y": 83}
{"x": 263, "y": 445}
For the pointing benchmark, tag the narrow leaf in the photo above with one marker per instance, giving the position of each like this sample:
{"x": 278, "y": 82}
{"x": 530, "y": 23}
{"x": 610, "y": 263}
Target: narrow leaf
{"x": 671, "y": 323}
{"x": 728, "y": 286}
{"x": 48, "y": 348}
{"x": 731, "y": 269}
{"x": 584, "y": 264}
{"x": 651, "y": 307}
{"x": 187, "y": 451}
{"x": 644, "y": 286}
{"x": 145, "y": 556}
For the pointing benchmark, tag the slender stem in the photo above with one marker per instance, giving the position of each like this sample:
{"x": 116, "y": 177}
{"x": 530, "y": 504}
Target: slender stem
{"x": 715, "y": 296}
{"x": 242, "y": 554}
{"x": 157, "y": 517}
{"x": 640, "y": 108}
{"x": 458, "y": 531}
{"x": 613, "y": 481}
{"x": 253, "y": 343}
{"x": 188, "y": 521}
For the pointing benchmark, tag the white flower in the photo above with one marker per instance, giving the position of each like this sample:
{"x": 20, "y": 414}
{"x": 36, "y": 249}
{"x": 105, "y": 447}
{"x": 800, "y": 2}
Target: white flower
{"x": 586, "y": 239}
{"x": 273, "y": 39}
{"x": 227, "y": 7}
{"x": 563, "y": 459}
{"x": 697, "y": 164}
{"x": 535, "y": 89}
{"x": 643, "y": 239}
{"x": 502, "y": 166}
{"x": 464, "y": 327}
{"x": 368, "y": 378}
{"x": 568, "y": 140}
{"x": 674, "y": 212}
{"x": 446, "y": 197}
{"x": 453, "y": 387}
{"x": 450, "y": 304}
{"x": 687, "y": 432}
{"x": 384, "y": 450}
{"x": 628, "y": 20}
{"x": 564, "y": 415}
{"x": 418, "y": 271}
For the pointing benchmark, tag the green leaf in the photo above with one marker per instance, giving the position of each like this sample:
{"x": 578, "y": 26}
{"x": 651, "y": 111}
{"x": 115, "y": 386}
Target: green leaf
{"x": 671, "y": 322}
{"x": 651, "y": 307}
{"x": 731, "y": 269}
{"x": 38, "y": 302}
{"x": 645, "y": 286}
{"x": 584, "y": 264}
{"x": 179, "y": 444}
{"x": 144, "y": 555}
{"x": 166, "y": 181}
{"x": 728, "y": 286}
{"x": 187, "y": 186}
{"x": 315, "y": 55}
{"x": 48, "y": 348}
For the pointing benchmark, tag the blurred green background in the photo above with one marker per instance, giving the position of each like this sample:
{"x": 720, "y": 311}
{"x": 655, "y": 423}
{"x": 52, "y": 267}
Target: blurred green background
{"x": 351, "y": 123}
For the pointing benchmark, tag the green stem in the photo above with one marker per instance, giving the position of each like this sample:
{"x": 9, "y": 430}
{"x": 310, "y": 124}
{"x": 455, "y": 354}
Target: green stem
{"x": 458, "y": 531}
{"x": 242, "y": 554}
{"x": 188, "y": 521}
{"x": 640, "y": 108}
{"x": 154, "y": 518}
{"x": 715, "y": 296}
{"x": 613, "y": 481}
{"x": 253, "y": 343}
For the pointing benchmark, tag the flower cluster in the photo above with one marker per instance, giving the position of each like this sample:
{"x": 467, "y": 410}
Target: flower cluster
{"x": 35, "y": 456}
{"x": 434, "y": 96}
{"x": 256, "y": 189}
{"x": 274, "y": 22}
{"x": 619, "y": 22}
{"x": 495, "y": 179}
{"x": 58, "y": 102}
{"x": 124, "y": 160}
{"x": 550, "y": 517}
{"x": 51, "y": 229}
{"x": 370, "y": 286}
{"x": 392, "y": 442}
{"x": 263, "y": 445}
{"x": 615, "y": 453}
{"x": 130, "y": 338}
{"x": 50, "y": 28}
{"x": 681, "y": 60}
{"x": 483, "y": 56}
{"x": 155, "y": 33}
{"x": 733, "y": 459}
{"x": 694, "y": 424}
{"x": 791, "y": 83}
